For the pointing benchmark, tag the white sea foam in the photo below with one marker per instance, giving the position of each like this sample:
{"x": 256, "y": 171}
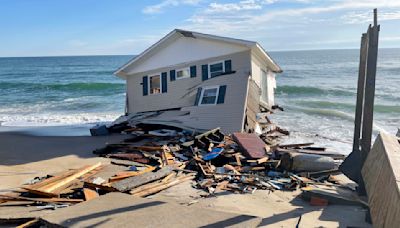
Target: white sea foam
{"x": 56, "y": 119}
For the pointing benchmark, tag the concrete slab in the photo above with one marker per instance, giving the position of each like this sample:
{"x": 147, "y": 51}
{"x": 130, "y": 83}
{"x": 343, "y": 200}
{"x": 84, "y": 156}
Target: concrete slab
{"x": 123, "y": 210}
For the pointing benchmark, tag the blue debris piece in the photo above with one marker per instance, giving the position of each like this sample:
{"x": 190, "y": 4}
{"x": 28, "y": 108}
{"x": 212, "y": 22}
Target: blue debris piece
{"x": 99, "y": 130}
{"x": 274, "y": 174}
{"x": 133, "y": 168}
{"x": 215, "y": 152}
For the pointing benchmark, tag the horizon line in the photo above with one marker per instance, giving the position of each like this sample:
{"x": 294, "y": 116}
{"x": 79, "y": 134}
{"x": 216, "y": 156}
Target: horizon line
{"x": 85, "y": 55}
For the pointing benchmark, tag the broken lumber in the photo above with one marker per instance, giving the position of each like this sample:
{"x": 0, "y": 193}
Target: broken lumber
{"x": 126, "y": 174}
{"x": 132, "y": 182}
{"x": 89, "y": 194}
{"x": 45, "y": 200}
{"x": 50, "y": 186}
{"x": 164, "y": 186}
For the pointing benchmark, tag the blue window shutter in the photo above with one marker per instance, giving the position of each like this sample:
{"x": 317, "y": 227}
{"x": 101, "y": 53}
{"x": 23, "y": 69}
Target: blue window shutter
{"x": 204, "y": 72}
{"x": 228, "y": 65}
{"x": 193, "y": 71}
{"x": 221, "y": 94}
{"x": 172, "y": 76}
{"x": 164, "y": 82}
{"x": 198, "y": 97}
{"x": 145, "y": 85}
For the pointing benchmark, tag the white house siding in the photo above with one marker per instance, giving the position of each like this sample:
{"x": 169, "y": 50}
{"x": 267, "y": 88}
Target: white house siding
{"x": 183, "y": 50}
{"x": 256, "y": 66}
{"x": 182, "y": 92}
{"x": 229, "y": 115}
{"x": 271, "y": 87}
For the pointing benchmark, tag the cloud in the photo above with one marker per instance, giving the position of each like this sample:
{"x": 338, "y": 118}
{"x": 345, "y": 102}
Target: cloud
{"x": 357, "y": 17}
{"x": 239, "y": 6}
{"x": 158, "y": 8}
{"x": 222, "y": 18}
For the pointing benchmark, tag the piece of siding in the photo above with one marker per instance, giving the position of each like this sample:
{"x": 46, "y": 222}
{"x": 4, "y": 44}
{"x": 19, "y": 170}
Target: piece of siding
{"x": 172, "y": 75}
{"x": 193, "y": 71}
{"x": 145, "y": 85}
{"x": 198, "y": 97}
{"x": 164, "y": 82}
{"x": 204, "y": 72}
{"x": 228, "y": 65}
{"x": 221, "y": 94}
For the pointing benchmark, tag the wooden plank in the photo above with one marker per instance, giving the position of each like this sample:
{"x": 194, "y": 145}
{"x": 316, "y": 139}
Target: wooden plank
{"x": 132, "y": 182}
{"x": 302, "y": 151}
{"x": 49, "y": 188}
{"x": 90, "y": 194}
{"x": 80, "y": 172}
{"x": 30, "y": 223}
{"x": 46, "y": 200}
{"x": 360, "y": 93}
{"x": 368, "y": 113}
{"x": 295, "y": 145}
{"x": 126, "y": 174}
{"x": 163, "y": 186}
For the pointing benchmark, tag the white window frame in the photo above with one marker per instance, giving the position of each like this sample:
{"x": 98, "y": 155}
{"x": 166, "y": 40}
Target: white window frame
{"x": 182, "y": 69}
{"x": 161, "y": 84}
{"x": 202, "y": 95}
{"x": 209, "y": 67}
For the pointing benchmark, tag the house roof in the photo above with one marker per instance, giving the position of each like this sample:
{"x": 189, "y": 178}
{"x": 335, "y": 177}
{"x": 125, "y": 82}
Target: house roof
{"x": 177, "y": 33}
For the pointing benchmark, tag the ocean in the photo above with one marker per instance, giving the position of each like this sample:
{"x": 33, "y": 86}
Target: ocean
{"x": 317, "y": 90}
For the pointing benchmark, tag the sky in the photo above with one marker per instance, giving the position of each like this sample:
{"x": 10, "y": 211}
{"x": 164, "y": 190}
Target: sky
{"x": 127, "y": 27}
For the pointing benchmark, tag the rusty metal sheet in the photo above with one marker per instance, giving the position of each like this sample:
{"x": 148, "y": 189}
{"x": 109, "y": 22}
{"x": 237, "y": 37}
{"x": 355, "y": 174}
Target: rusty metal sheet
{"x": 252, "y": 146}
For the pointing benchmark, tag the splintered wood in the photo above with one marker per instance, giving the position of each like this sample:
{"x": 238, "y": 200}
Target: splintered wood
{"x": 52, "y": 186}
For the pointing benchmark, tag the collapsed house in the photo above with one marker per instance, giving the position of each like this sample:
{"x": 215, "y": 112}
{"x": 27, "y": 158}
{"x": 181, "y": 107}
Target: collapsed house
{"x": 199, "y": 81}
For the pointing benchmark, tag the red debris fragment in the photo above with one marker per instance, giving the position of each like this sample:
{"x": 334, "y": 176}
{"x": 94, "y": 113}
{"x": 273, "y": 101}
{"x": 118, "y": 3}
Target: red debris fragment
{"x": 252, "y": 146}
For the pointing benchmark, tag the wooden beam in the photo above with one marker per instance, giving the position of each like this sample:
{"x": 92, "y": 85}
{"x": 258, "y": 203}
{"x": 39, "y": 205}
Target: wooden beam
{"x": 132, "y": 182}
{"x": 49, "y": 187}
{"x": 90, "y": 194}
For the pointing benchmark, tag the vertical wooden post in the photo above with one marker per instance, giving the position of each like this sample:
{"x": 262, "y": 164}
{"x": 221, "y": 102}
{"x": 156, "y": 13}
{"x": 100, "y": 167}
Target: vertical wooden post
{"x": 368, "y": 113}
{"x": 126, "y": 99}
{"x": 360, "y": 93}
{"x": 363, "y": 124}
{"x": 369, "y": 96}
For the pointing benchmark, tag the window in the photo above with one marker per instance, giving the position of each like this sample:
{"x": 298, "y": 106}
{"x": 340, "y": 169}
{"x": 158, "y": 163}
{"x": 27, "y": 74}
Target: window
{"x": 209, "y": 95}
{"x": 155, "y": 84}
{"x": 182, "y": 73}
{"x": 216, "y": 69}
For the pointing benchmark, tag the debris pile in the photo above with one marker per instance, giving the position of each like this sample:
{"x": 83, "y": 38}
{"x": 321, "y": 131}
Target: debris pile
{"x": 157, "y": 157}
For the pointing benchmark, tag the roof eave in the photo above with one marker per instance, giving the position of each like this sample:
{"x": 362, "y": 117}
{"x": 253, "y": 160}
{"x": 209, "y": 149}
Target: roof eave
{"x": 276, "y": 67}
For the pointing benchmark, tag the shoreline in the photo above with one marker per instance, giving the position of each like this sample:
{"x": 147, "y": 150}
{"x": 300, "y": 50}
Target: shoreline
{"x": 50, "y": 130}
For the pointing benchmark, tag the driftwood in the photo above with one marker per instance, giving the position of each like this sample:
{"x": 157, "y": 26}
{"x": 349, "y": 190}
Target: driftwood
{"x": 132, "y": 182}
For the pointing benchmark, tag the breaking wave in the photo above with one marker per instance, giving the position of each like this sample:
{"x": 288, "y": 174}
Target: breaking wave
{"x": 309, "y": 90}
{"x": 76, "y": 86}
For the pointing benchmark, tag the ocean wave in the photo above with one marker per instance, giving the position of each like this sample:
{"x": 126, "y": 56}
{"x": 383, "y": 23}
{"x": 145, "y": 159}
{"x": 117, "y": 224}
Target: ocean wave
{"x": 379, "y": 108}
{"x": 326, "y": 104}
{"x": 323, "y": 112}
{"x": 311, "y": 91}
{"x": 75, "y": 86}
{"x": 56, "y": 119}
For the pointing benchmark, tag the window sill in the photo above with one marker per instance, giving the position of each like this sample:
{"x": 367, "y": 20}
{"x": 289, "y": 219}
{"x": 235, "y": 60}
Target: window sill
{"x": 225, "y": 73}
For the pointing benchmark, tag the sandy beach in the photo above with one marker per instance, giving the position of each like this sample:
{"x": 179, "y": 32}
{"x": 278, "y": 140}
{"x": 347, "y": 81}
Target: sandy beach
{"x": 25, "y": 156}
